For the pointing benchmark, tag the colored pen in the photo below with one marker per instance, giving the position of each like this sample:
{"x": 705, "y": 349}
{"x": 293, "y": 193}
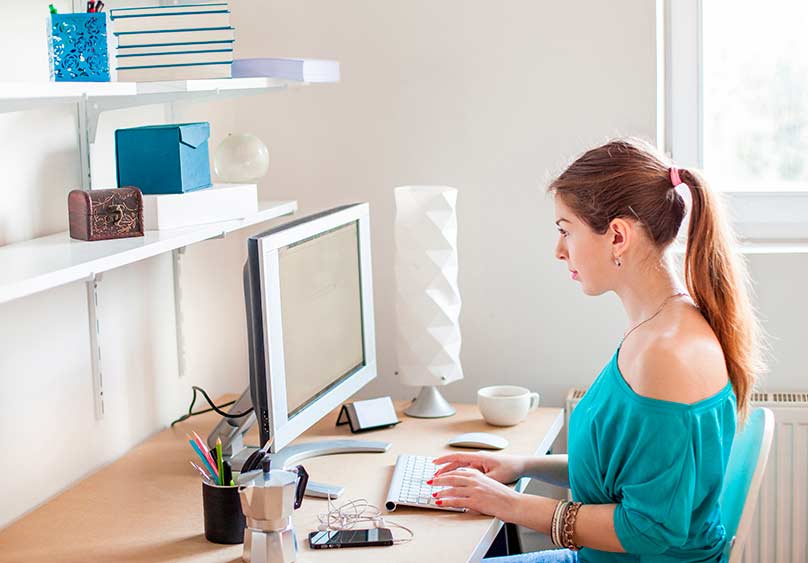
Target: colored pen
{"x": 198, "y": 451}
{"x": 219, "y": 460}
{"x": 202, "y": 472}
{"x": 52, "y": 9}
{"x": 204, "y": 448}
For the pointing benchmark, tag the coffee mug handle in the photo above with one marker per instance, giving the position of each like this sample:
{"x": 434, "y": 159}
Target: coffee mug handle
{"x": 534, "y": 401}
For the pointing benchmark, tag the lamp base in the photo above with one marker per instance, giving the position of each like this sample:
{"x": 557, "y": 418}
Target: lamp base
{"x": 429, "y": 404}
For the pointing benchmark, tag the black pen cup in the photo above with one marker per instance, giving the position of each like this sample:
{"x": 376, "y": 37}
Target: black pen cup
{"x": 224, "y": 520}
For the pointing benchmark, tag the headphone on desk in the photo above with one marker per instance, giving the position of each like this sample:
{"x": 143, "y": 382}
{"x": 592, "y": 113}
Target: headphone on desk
{"x": 356, "y": 512}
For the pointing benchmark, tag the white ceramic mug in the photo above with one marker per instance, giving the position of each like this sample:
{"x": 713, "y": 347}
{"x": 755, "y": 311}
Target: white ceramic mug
{"x": 506, "y": 405}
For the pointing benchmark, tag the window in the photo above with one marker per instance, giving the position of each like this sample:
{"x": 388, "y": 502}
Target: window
{"x": 737, "y": 106}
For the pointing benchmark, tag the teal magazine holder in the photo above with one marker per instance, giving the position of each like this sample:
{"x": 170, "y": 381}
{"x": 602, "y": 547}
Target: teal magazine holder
{"x": 79, "y": 47}
{"x": 164, "y": 159}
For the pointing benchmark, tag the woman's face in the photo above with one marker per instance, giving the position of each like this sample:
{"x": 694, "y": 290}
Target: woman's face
{"x": 588, "y": 255}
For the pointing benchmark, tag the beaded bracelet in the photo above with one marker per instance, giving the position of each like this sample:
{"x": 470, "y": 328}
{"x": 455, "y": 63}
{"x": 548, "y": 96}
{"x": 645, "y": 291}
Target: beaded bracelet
{"x": 556, "y": 523}
{"x": 553, "y": 523}
{"x": 568, "y": 528}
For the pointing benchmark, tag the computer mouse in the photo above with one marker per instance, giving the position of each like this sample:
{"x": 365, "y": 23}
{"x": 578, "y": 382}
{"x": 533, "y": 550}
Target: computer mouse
{"x": 482, "y": 440}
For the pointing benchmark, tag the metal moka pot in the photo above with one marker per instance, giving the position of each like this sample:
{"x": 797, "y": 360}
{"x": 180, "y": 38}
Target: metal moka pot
{"x": 268, "y": 501}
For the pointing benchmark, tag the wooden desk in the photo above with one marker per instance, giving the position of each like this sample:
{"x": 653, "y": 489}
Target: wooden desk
{"x": 147, "y": 506}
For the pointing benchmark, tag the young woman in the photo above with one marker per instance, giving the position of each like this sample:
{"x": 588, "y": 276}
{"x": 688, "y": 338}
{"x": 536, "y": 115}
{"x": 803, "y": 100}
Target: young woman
{"x": 649, "y": 442}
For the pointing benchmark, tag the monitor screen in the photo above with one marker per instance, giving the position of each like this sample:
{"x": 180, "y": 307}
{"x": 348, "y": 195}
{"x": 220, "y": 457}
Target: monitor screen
{"x": 309, "y": 296}
{"x": 321, "y": 313}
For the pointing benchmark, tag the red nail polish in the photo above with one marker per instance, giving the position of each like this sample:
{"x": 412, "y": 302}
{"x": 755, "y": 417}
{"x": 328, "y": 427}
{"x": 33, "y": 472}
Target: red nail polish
{"x": 429, "y": 482}
{"x": 435, "y": 495}
{"x": 439, "y": 502}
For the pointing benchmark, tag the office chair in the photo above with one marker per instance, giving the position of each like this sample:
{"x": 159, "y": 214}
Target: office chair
{"x": 747, "y": 461}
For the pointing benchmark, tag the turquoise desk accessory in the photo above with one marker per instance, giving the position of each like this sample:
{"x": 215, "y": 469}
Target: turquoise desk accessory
{"x": 164, "y": 159}
{"x": 79, "y": 47}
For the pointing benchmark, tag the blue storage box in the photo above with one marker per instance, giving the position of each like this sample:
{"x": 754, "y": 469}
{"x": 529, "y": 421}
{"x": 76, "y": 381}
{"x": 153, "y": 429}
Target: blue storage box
{"x": 80, "y": 47}
{"x": 164, "y": 159}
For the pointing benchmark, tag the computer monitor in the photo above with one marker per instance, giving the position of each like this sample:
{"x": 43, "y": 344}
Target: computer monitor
{"x": 309, "y": 299}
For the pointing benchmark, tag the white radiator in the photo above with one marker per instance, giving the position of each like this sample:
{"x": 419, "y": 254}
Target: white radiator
{"x": 779, "y": 531}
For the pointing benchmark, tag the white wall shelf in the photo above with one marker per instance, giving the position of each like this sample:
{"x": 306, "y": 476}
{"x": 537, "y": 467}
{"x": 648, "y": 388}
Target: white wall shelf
{"x": 43, "y": 263}
{"x": 20, "y": 96}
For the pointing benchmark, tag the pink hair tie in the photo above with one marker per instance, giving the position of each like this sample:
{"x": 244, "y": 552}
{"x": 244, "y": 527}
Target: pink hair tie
{"x": 681, "y": 188}
{"x": 675, "y": 179}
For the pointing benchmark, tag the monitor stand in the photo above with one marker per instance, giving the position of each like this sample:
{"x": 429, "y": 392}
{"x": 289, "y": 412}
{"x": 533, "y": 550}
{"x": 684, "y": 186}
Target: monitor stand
{"x": 295, "y": 453}
{"x": 232, "y": 430}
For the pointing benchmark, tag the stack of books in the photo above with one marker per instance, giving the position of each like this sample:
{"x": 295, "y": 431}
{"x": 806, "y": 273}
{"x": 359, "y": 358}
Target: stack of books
{"x": 180, "y": 42}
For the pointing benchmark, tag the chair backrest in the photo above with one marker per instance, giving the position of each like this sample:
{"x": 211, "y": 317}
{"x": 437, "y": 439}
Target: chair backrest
{"x": 747, "y": 461}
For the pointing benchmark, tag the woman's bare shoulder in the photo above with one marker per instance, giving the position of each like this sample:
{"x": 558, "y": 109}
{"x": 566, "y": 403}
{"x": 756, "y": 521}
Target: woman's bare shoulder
{"x": 685, "y": 364}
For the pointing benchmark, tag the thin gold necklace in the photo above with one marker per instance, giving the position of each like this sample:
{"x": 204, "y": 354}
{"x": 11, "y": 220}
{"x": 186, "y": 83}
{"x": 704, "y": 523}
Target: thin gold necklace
{"x": 659, "y": 310}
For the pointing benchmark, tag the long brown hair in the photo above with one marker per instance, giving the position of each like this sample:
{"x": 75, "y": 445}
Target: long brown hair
{"x": 628, "y": 178}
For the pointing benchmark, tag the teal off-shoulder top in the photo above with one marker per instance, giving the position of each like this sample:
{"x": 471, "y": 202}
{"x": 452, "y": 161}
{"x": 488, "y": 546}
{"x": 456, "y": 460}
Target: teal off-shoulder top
{"x": 661, "y": 462}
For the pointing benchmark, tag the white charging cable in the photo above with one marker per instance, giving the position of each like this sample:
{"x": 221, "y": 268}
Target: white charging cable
{"x": 350, "y": 515}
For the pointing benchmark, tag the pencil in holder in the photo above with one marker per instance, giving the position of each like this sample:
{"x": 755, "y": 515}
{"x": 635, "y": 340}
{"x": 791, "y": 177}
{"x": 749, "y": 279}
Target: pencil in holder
{"x": 224, "y": 519}
{"x": 80, "y": 47}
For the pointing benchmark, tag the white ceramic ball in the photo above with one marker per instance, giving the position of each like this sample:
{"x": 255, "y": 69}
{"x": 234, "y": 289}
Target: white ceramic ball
{"x": 241, "y": 158}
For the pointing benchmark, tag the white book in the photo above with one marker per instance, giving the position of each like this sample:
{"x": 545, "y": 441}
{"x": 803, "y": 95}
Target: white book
{"x": 182, "y": 20}
{"x": 304, "y": 70}
{"x": 140, "y": 61}
{"x": 162, "y": 10}
{"x": 175, "y": 37}
{"x": 168, "y": 73}
{"x": 222, "y": 202}
{"x": 176, "y": 48}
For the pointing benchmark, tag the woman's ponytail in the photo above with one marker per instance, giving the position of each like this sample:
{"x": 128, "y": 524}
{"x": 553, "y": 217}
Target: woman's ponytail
{"x": 717, "y": 281}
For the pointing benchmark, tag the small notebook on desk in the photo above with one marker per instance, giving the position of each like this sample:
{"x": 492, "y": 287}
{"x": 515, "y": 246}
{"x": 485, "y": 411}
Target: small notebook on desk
{"x": 371, "y": 414}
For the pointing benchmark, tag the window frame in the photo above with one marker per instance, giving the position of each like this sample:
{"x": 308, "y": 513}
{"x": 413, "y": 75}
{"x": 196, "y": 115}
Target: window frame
{"x": 759, "y": 215}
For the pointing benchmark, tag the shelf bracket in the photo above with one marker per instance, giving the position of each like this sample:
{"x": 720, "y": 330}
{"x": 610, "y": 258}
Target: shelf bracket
{"x": 221, "y": 235}
{"x": 95, "y": 345}
{"x": 88, "y": 115}
{"x": 177, "y": 259}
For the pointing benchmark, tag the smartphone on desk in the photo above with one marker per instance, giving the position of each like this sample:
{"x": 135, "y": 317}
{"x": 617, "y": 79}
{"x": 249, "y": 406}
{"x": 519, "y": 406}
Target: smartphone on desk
{"x": 351, "y": 538}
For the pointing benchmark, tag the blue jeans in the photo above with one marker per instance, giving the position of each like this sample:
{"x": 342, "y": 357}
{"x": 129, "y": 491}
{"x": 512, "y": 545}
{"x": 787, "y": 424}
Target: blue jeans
{"x": 550, "y": 556}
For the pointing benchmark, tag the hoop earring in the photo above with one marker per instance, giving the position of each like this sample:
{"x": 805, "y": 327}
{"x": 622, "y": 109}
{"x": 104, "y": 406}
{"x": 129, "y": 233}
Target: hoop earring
{"x": 617, "y": 261}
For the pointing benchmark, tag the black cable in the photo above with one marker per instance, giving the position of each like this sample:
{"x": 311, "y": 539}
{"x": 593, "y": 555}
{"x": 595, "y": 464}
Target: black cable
{"x": 212, "y": 407}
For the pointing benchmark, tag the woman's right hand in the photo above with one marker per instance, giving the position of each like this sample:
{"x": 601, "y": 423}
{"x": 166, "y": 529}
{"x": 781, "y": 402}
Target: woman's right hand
{"x": 500, "y": 467}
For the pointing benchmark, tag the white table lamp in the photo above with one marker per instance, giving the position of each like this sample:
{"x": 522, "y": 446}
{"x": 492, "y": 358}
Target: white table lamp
{"x": 427, "y": 295}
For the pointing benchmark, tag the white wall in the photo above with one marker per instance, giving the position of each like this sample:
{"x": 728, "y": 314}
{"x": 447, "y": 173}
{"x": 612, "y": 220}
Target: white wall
{"x": 492, "y": 98}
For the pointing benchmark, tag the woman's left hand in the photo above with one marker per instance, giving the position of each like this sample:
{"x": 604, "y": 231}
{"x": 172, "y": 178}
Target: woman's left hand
{"x": 468, "y": 488}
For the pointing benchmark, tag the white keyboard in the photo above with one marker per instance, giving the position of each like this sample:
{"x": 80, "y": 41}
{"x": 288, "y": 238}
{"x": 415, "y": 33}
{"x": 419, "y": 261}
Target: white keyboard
{"x": 408, "y": 486}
